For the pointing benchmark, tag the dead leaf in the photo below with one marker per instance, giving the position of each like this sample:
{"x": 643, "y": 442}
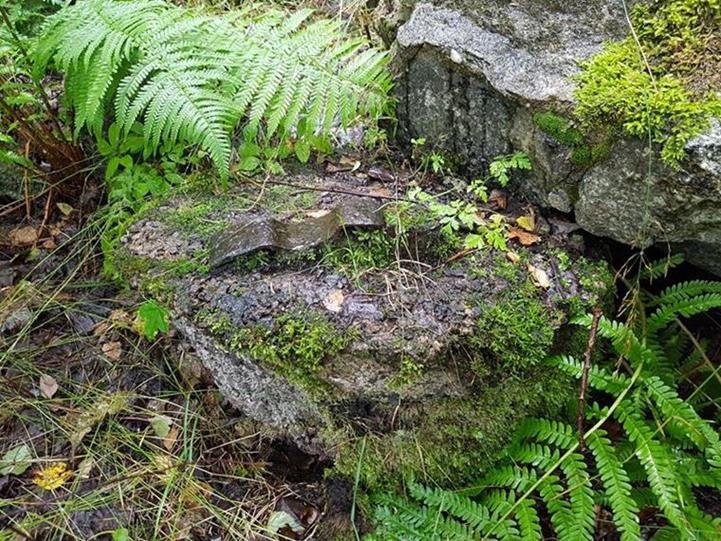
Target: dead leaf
{"x": 120, "y": 316}
{"x": 539, "y": 277}
{"x": 48, "y": 386}
{"x": 85, "y": 468}
{"x": 49, "y": 244}
{"x": 87, "y": 420}
{"x": 498, "y": 199}
{"x": 24, "y": 235}
{"x": 317, "y": 213}
{"x": 526, "y": 222}
{"x": 112, "y": 350}
{"x": 65, "y": 208}
{"x": 334, "y": 301}
{"x": 380, "y": 192}
{"x": 378, "y": 173}
{"x": 524, "y": 237}
{"x": 101, "y": 328}
{"x": 513, "y": 257}
{"x": 171, "y": 438}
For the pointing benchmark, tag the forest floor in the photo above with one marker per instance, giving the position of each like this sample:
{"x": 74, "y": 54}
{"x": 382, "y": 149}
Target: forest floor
{"x": 112, "y": 436}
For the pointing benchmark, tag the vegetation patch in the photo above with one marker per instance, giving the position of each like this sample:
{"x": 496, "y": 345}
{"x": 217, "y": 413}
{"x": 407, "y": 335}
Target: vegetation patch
{"x": 456, "y": 438}
{"x": 294, "y": 347}
{"x": 518, "y": 330}
{"x": 584, "y": 152}
{"x": 663, "y": 86}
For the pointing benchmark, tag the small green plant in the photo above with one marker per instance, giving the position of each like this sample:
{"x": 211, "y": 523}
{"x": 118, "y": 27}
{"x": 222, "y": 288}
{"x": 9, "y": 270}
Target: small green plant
{"x": 153, "y": 319}
{"x": 501, "y": 167}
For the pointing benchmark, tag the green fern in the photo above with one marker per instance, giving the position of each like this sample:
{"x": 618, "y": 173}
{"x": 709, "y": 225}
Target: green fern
{"x": 195, "y": 78}
{"x": 661, "y": 449}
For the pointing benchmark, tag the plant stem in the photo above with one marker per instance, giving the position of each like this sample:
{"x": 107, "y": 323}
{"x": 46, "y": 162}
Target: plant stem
{"x": 597, "y": 312}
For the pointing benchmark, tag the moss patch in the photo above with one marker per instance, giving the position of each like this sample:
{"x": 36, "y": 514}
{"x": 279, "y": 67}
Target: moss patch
{"x": 584, "y": 151}
{"x": 667, "y": 88}
{"x": 293, "y": 347}
{"x": 457, "y": 439}
{"x": 518, "y": 329}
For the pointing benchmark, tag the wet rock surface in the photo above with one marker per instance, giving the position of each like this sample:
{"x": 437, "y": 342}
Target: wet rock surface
{"x": 314, "y": 351}
{"x": 474, "y": 74}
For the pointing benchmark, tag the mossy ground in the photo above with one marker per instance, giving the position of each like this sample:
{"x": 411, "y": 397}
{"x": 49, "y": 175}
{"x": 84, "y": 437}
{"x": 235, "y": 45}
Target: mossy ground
{"x": 456, "y": 440}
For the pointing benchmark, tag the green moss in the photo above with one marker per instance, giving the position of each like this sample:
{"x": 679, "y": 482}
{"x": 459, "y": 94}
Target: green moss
{"x": 559, "y": 128}
{"x": 584, "y": 152}
{"x": 457, "y": 438}
{"x": 360, "y": 252}
{"x": 518, "y": 330}
{"x": 293, "y": 346}
{"x": 669, "y": 91}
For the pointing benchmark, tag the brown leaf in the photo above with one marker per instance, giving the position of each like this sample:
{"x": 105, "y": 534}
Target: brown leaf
{"x": 380, "y": 192}
{"x": 334, "y": 301}
{"x": 378, "y": 173}
{"x": 95, "y": 414}
{"x": 24, "y": 235}
{"x": 539, "y": 277}
{"x": 498, "y": 199}
{"x": 112, "y": 350}
{"x": 49, "y": 244}
{"x": 171, "y": 438}
{"x": 524, "y": 237}
{"x": 48, "y": 386}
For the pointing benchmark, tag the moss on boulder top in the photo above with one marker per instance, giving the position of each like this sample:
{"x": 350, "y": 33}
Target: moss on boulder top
{"x": 362, "y": 333}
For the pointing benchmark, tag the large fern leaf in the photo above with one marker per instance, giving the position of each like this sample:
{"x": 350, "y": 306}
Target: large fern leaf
{"x": 194, "y": 78}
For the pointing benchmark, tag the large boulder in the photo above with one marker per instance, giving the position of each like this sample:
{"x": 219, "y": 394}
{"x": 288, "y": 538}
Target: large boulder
{"x": 326, "y": 331}
{"x": 475, "y": 76}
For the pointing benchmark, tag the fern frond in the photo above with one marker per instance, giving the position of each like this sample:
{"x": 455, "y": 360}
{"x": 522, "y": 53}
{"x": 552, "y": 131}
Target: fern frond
{"x": 674, "y": 407}
{"x": 687, "y": 290}
{"x": 580, "y": 494}
{"x": 475, "y": 515}
{"x": 659, "y": 269}
{"x": 194, "y": 78}
{"x": 617, "y": 484}
{"x": 623, "y": 338}
{"x": 547, "y": 431}
{"x": 684, "y": 307}
{"x": 659, "y": 468}
{"x": 598, "y": 377}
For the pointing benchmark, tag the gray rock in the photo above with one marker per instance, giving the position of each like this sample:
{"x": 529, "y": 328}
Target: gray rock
{"x": 474, "y": 73}
{"x": 619, "y": 199}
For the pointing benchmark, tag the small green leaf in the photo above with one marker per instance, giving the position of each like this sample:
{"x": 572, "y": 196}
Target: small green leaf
{"x": 154, "y": 319}
{"x": 251, "y": 163}
{"x": 161, "y": 425}
{"x": 121, "y": 534}
{"x": 302, "y": 151}
{"x": 16, "y": 461}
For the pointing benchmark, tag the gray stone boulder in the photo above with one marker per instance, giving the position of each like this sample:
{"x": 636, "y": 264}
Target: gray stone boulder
{"x": 326, "y": 335}
{"x": 472, "y": 76}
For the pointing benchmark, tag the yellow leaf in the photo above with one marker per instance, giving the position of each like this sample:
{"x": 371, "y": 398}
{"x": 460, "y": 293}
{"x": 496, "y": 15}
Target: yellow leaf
{"x": 527, "y": 223}
{"x": 53, "y": 476}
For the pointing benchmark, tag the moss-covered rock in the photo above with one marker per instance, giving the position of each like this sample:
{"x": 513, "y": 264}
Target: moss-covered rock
{"x": 365, "y": 336}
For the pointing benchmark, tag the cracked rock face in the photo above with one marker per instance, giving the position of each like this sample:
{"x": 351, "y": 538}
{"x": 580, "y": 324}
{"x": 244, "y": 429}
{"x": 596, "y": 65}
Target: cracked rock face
{"x": 373, "y": 324}
{"x": 474, "y": 73}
